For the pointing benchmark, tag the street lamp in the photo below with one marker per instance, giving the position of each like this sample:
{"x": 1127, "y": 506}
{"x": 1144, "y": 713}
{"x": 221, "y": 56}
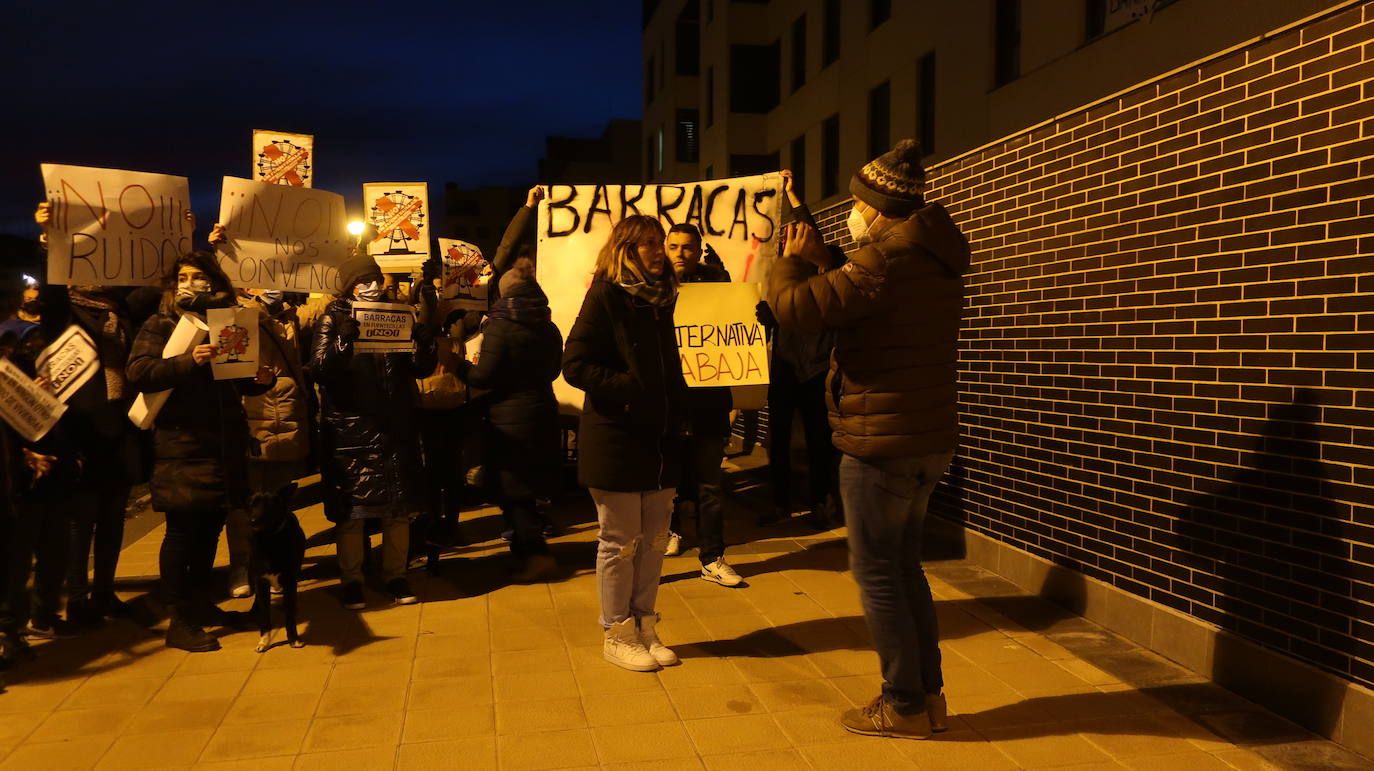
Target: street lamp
{"x": 356, "y": 227}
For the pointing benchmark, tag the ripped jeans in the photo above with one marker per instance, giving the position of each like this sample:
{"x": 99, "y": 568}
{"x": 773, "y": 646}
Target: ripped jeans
{"x": 629, "y": 550}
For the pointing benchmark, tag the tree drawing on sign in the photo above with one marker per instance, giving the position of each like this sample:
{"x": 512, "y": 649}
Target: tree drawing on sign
{"x": 233, "y": 342}
{"x": 283, "y": 162}
{"x": 398, "y": 217}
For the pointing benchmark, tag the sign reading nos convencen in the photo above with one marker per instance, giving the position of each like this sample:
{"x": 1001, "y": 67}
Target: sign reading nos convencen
{"x": 281, "y": 237}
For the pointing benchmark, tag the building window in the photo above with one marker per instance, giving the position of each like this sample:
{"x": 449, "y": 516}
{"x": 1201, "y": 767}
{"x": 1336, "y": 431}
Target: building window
{"x": 798, "y": 159}
{"x": 658, "y": 151}
{"x": 710, "y": 172}
{"x": 799, "y": 52}
{"x": 1006, "y": 42}
{"x": 830, "y": 156}
{"x": 925, "y": 102}
{"x": 744, "y": 165}
{"x": 649, "y": 81}
{"x": 688, "y": 40}
{"x": 830, "y": 31}
{"x": 649, "y": 157}
{"x": 879, "y": 11}
{"x": 754, "y": 78}
{"x": 686, "y": 140}
{"x": 710, "y": 96}
{"x": 879, "y": 120}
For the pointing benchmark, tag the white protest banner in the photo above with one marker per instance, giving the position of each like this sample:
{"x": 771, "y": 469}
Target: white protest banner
{"x": 739, "y": 218}
{"x": 384, "y": 327}
{"x": 283, "y": 158}
{"x": 68, "y": 363}
{"x": 234, "y": 333}
{"x": 190, "y": 331}
{"x": 112, "y": 227}
{"x": 30, "y": 410}
{"x": 466, "y": 275}
{"x": 719, "y": 339}
{"x": 400, "y": 212}
{"x": 281, "y": 237}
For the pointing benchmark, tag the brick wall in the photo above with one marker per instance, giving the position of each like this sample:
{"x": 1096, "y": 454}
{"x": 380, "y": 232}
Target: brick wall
{"x": 1167, "y": 366}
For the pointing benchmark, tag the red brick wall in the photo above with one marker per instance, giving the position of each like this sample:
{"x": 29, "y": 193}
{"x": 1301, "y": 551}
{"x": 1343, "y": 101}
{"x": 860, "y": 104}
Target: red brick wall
{"x": 1167, "y": 367}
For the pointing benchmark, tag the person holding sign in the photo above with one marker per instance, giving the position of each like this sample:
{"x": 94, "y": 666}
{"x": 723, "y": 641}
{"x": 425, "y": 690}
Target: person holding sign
{"x": 201, "y": 445}
{"x": 369, "y": 437}
{"x": 622, "y": 352}
{"x": 893, "y": 402}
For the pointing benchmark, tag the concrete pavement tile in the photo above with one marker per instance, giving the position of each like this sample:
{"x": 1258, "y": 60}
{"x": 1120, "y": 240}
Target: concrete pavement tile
{"x": 1044, "y": 745}
{"x": 71, "y": 723}
{"x": 527, "y": 639}
{"x": 357, "y": 700}
{"x": 178, "y": 716}
{"x": 522, "y": 717}
{"x": 16, "y": 726}
{"x": 362, "y": 759}
{"x": 769, "y": 760}
{"x": 645, "y": 741}
{"x": 256, "y": 740}
{"x": 627, "y": 708}
{"x": 454, "y": 722}
{"x": 441, "y": 692}
{"x": 282, "y": 763}
{"x": 304, "y": 679}
{"x": 465, "y": 643}
{"x": 771, "y": 669}
{"x": 285, "y": 656}
{"x": 266, "y": 707}
{"x": 74, "y": 754}
{"x": 737, "y": 733}
{"x": 1193, "y": 761}
{"x": 784, "y": 695}
{"x": 1129, "y": 736}
{"x": 1243, "y": 759}
{"x": 955, "y": 750}
{"x": 221, "y": 661}
{"x": 859, "y": 689}
{"x": 518, "y": 662}
{"x": 475, "y": 754}
{"x": 715, "y": 701}
{"x": 196, "y": 687}
{"x": 840, "y": 663}
{"x": 156, "y": 750}
{"x": 1198, "y": 736}
{"x": 814, "y": 726}
{"x": 347, "y": 732}
{"x": 610, "y": 678}
{"x": 385, "y": 647}
{"x": 554, "y": 749}
{"x": 350, "y": 673}
{"x": 859, "y": 756}
{"x": 99, "y": 692}
{"x": 537, "y": 686}
{"x": 697, "y": 672}
{"x": 664, "y": 764}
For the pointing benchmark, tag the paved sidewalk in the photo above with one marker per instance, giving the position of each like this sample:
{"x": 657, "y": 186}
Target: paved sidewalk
{"x": 483, "y": 675}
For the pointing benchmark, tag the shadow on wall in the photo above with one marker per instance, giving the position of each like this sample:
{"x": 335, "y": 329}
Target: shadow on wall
{"x": 945, "y": 527}
{"x": 1265, "y": 544}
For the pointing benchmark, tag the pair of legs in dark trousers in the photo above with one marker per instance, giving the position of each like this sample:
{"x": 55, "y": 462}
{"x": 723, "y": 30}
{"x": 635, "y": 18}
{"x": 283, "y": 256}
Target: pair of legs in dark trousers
{"x": 701, "y": 484}
{"x": 187, "y": 558}
{"x": 524, "y": 471}
{"x": 441, "y": 436}
{"x": 98, "y": 521}
{"x": 808, "y": 399}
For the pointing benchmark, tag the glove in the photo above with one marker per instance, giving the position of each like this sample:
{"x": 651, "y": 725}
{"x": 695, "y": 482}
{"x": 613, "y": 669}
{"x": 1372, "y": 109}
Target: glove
{"x": 348, "y": 329}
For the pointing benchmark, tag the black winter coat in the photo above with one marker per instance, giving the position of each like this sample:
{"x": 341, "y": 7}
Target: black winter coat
{"x": 369, "y": 438}
{"x": 200, "y": 438}
{"x": 622, "y": 352}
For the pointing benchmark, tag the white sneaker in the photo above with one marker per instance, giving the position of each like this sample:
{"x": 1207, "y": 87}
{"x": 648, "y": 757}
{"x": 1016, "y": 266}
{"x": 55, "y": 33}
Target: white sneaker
{"x": 674, "y": 547}
{"x": 624, "y": 648}
{"x": 721, "y": 573}
{"x": 649, "y": 636}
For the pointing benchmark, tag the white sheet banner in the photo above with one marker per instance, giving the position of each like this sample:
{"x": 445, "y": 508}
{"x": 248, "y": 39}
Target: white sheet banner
{"x": 282, "y": 237}
{"x": 112, "y": 227}
{"x": 68, "y": 363}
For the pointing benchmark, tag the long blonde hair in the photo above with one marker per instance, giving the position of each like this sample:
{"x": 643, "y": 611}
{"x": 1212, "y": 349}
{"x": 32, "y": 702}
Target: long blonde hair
{"x": 621, "y": 246}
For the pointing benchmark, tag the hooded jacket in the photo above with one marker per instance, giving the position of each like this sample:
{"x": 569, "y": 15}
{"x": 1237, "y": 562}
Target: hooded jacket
{"x": 279, "y": 417}
{"x": 895, "y": 307}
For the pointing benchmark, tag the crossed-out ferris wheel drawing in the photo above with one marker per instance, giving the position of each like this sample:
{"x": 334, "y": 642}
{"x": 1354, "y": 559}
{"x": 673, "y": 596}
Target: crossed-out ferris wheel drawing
{"x": 283, "y": 162}
{"x": 399, "y": 217}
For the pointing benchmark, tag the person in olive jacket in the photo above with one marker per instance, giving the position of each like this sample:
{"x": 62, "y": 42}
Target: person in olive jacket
{"x": 369, "y": 437}
{"x": 622, "y": 351}
{"x": 522, "y": 351}
{"x": 201, "y": 445}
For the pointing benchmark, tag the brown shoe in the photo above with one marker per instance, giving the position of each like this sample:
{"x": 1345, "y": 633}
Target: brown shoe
{"x": 880, "y": 719}
{"x": 937, "y": 711}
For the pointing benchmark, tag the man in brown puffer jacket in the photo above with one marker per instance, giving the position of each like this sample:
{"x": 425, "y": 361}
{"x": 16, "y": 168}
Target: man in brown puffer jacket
{"x": 893, "y": 402}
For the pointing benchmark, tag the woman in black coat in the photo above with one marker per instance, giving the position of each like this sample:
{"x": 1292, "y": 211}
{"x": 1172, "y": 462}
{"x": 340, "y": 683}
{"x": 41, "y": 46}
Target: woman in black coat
{"x": 520, "y": 357}
{"x": 369, "y": 437}
{"x": 622, "y": 351}
{"x": 201, "y": 444}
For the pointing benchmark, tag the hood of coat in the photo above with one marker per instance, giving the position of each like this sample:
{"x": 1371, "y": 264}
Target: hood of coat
{"x": 933, "y": 230}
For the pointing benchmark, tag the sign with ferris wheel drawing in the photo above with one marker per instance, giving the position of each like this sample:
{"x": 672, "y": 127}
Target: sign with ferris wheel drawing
{"x": 400, "y": 212}
{"x": 282, "y": 158}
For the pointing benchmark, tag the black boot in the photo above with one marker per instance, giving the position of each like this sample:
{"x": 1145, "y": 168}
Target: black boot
{"x": 189, "y": 637}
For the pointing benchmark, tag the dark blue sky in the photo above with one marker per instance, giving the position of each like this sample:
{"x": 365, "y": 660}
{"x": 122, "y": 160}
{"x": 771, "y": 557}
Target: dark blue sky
{"x": 418, "y": 90}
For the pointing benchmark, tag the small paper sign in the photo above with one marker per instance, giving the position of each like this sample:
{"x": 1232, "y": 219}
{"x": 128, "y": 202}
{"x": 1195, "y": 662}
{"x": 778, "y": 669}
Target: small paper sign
{"x": 282, "y": 158}
{"x": 384, "y": 327}
{"x": 400, "y": 212}
{"x": 466, "y": 275}
{"x": 719, "y": 340}
{"x": 190, "y": 331}
{"x": 234, "y": 333}
{"x": 68, "y": 363}
{"x": 473, "y": 348}
{"x": 28, "y": 408}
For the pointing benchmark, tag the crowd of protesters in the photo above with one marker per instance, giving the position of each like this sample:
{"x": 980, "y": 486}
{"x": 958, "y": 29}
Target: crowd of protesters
{"x": 867, "y": 342}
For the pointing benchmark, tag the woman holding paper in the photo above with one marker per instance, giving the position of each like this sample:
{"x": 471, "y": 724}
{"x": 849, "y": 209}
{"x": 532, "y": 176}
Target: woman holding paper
{"x": 622, "y": 351}
{"x": 200, "y": 439}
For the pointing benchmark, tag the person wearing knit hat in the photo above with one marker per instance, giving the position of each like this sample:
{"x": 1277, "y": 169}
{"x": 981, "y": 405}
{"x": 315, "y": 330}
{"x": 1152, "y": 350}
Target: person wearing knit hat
{"x": 358, "y": 269}
{"x": 893, "y": 402}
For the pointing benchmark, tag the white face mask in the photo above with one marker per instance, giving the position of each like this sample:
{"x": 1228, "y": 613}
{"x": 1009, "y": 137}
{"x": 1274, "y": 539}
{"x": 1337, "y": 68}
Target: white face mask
{"x": 370, "y": 292}
{"x": 858, "y": 227}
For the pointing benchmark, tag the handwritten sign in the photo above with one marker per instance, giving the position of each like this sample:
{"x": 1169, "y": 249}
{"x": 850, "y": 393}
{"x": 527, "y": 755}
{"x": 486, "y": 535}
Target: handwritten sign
{"x": 466, "y": 275}
{"x": 738, "y": 217}
{"x": 234, "y": 332}
{"x": 400, "y": 212}
{"x": 68, "y": 363}
{"x": 281, "y": 237}
{"x": 282, "y": 158}
{"x": 190, "y": 331}
{"x": 384, "y": 327}
{"x": 719, "y": 340}
{"x": 114, "y": 227}
{"x": 30, "y": 410}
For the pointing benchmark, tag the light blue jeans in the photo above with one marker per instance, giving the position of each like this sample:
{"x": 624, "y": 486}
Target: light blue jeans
{"x": 885, "y": 508}
{"x": 629, "y": 550}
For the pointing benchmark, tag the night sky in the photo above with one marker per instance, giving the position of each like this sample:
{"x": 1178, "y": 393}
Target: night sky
{"x": 393, "y": 91}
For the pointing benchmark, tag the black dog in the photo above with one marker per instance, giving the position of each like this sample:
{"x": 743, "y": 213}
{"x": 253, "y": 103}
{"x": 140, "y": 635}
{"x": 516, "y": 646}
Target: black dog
{"x": 278, "y": 551}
